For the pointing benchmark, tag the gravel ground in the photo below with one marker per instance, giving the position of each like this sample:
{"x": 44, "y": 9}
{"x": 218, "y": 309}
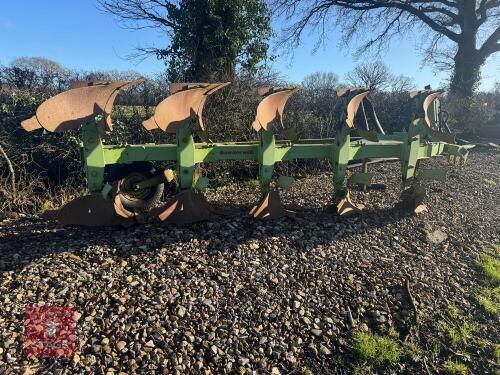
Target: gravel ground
{"x": 235, "y": 295}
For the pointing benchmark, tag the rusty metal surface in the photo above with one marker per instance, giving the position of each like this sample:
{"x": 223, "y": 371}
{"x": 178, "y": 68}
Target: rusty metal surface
{"x": 427, "y": 102}
{"x": 439, "y": 135}
{"x": 412, "y": 199}
{"x": 270, "y": 208}
{"x": 92, "y": 211}
{"x": 71, "y": 109}
{"x": 356, "y": 96}
{"x": 31, "y": 124}
{"x": 343, "y": 91}
{"x": 353, "y": 106}
{"x": 346, "y": 207}
{"x": 183, "y": 106}
{"x": 85, "y": 83}
{"x": 185, "y": 208}
{"x": 272, "y": 106}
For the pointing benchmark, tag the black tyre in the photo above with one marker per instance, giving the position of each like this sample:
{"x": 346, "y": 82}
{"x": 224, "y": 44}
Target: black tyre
{"x": 126, "y": 176}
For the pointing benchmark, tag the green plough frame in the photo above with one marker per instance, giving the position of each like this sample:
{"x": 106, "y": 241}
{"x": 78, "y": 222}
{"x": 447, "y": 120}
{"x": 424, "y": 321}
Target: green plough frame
{"x": 409, "y": 147}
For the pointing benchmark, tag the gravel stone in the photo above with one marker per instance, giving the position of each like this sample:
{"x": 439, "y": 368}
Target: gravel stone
{"x": 234, "y": 295}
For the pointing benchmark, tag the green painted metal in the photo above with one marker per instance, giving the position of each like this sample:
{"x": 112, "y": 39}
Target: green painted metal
{"x": 114, "y": 154}
{"x": 185, "y": 158}
{"x": 267, "y": 158}
{"x": 410, "y": 152}
{"x": 93, "y": 154}
{"x": 226, "y": 151}
{"x": 340, "y": 159}
{"x": 409, "y": 146}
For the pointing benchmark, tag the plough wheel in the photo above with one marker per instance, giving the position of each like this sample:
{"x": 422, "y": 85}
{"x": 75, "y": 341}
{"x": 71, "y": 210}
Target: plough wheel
{"x": 126, "y": 176}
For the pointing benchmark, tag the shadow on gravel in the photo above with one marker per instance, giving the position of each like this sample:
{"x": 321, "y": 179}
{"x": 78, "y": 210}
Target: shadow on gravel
{"x": 25, "y": 240}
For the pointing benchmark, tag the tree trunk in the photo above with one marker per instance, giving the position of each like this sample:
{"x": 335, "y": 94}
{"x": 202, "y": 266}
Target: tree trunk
{"x": 466, "y": 73}
{"x": 468, "y": 61}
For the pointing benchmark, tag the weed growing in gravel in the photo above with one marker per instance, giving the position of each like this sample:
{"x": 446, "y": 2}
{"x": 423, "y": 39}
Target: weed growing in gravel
{"x": 489, "y": 296}
{"x": 489, "y": 299}
{"x": 489, "y": 182}
{"x": 456, "y": 368}
{"x": 453, "y": 311}
{"x": 377, "y": 349}
{"x": 459, "y": 335}
{"x": 414, "y": 352}
{"x": 253, "y": 182}
{"x": 491, "y": 268}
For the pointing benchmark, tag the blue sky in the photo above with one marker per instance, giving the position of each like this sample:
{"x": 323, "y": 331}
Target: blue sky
{"x": 76, "y": 34}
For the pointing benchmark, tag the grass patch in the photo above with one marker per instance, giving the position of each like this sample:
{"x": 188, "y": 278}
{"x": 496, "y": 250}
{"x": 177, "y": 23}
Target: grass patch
{"x": 490, "y": 266}
{"x": 253, "y": 182}
{"x": 459, "y": 335}
{"x": 453, "y": 311}
{"x": 414, "y": 352}
{"x": 489, "y": 295}
{"x": 456, "y": 368}
{"x": 377, "y": 349}
{"x": 489, "y": 182}
{"x": 489, "y": 299}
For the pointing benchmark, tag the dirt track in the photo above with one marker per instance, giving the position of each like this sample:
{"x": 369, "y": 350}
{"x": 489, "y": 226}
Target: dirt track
{"x": 237, "y": 294}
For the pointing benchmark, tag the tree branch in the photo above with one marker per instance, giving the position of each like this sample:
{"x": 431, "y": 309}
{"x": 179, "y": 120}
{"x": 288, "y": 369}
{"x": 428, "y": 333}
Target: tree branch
{"x": 405, "y": 6}
{"x": 138, "y": 10}
{"x": 491, "y": 44}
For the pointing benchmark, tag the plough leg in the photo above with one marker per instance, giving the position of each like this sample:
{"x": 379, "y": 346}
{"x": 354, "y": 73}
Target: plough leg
{"x": 188, "y": 206}
{"x": 270, "y": 206}
{"x": 93, "y": 155}
{"x": 344, "y": 204}
{"x": 413, "y": 193}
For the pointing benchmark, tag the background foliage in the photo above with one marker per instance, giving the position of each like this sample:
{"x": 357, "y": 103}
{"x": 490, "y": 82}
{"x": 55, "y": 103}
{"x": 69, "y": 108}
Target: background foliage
{"x": 47, "y": 166}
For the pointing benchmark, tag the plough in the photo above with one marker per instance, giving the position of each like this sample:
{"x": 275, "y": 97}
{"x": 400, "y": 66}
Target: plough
{"x": 124, "y": 188}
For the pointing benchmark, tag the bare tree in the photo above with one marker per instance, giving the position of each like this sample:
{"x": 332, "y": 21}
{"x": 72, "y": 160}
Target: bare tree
{"x": 317, "y": 98}
{"x": 375, "y": 76}
{"x": 461, "y": 34}
{"x": 402, "y": 83}
{"x": 321, "y": 81}
{"x": 36, "y": 74}
{"x": 378, "y": 76}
